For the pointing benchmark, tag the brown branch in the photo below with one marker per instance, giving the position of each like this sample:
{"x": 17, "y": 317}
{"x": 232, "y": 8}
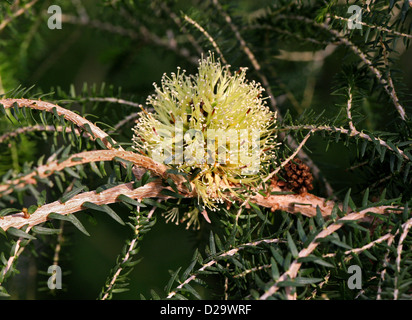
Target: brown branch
{"x": 229, "y": 253}
{"x": 292, "y": 272}
{"x": 208, "y": 36}
{"x": 87, "y": 157}
{"x": 18, "y": 220}
{"x": 68, "y": 115}
{"x": 37, "y": 127}
{"x": 305, "y": 203}
{"x": 341, "y": 39}
{"x": 383, "y": 29}
{"x": 353, "y": 132}
{"x": 16, "y": 14}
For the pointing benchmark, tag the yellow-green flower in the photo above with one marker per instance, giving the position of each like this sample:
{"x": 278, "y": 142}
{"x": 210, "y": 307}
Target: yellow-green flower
{"x": 214, "y": 125}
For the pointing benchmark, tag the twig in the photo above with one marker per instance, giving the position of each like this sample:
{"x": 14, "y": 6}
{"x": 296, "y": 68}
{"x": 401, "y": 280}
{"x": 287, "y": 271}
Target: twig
{"x": 208, "y": 36}
{"x": 291, "y": 273}
{"x": 347, "y": 132}
{"x": 36, "y": 127}
{"x": 115, "y": 100}
{"x": 293, "y": 155}
{"x": 131, "y": 247}
{"x": 92, "y": 156}
{"x": 108, "y": 196}
{"x": 17, "y": 250}
{"x": 81, "y": 122}
{"x": 178, "y": 22}
{"x": 16, "y": 14}
{"x": 349, "y": 113}
{"x": 396, "y": 33}
{"x": 384, "y": 264}
{"x": 390, "y": 90}
{"x": 249, "y": 54}
{"x": 406, "y": 226}
{"x": 213, "y": 261}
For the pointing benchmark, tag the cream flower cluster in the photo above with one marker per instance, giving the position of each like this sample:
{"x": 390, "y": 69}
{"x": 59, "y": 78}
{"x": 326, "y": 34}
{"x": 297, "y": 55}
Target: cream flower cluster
{"x": 214, "y": 126}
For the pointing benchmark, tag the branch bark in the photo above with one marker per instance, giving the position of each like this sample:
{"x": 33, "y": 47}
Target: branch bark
{"x": 18, "y": 220}
{"x": 68, "y": 115}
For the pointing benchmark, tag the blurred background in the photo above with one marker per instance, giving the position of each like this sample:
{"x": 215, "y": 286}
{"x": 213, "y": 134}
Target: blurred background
{"x": 129, "y": 45}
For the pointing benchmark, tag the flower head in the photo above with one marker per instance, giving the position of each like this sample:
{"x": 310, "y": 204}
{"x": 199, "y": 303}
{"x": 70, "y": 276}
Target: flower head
{"x": 214, "y": 126}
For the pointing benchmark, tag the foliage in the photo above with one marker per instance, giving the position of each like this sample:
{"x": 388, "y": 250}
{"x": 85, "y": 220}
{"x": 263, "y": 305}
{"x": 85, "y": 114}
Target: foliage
{"x": 342, "y": 100}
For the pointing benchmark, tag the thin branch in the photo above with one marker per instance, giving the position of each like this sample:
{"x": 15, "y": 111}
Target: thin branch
{"x": 390, "y": 90}
{"x": 383, "y": 29}
{"x": 248, "y": 53}
{"x": 293, "y": 155}
{"x": 37, "y": 127}
{"x": 305, "y": 203}
{"x": 292, "y": 272}
{"x": 114, "y": 100}
{"x": 213, "y": 261}
{"x": 126, "y": 256}
{"x": 178, "y": 22}
{"x": 48, "y": 169}
{"x": 347, "y": 132}
{"x": 108, "y": 196}
{"x": 208, "y": 36}
{"x": 406, "y": 226}
{"x": 16, "y": 14}
{"x": 17, "y": 250}
{"x": 384, "y": 264}
{"x": 81, "y": 122}
{"x": 349, "y": 112}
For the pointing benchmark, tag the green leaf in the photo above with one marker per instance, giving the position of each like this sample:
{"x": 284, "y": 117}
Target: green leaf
{"x": 19, "y": 233}
{"x": 365, "y": 198}
{"x": 89, "y": 130}
{"x": 8, "y": 211}
{"x": 292, "y": 245}
{"x": 172, "y": 184}
{"x": 170, "y": 193}
{"x": 172, "y": 280}
{"x": 258, "y": 211}
{"x": 317, "y": 260}
{"x": 339, "y": 243}
{"x": 319, "y": 217}
{"x": 70, "y": 218}
{"x": 145, "y": 177}
{"x": 301, "y": 232}
{"x": 103, "y": 208}
{"x": 154, "y": 203}
{"x": 299, "y": 281}
{"x": 212, "y": 246}
{"x": 71, "y": 194}
{"x": 274, "y": 269}
{"x": 188, "y": 270}
{"x": 345, "y": 204}
{"x": 131, "y": 201}
{"x": 96, "y": 170}
{"x": 119, "y": 290}
{"x": 71, "y": 172}
{"x": 45, "y": 231}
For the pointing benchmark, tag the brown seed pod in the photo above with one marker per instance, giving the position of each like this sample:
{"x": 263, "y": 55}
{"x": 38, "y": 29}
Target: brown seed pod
{"x": 297, "y": 175}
